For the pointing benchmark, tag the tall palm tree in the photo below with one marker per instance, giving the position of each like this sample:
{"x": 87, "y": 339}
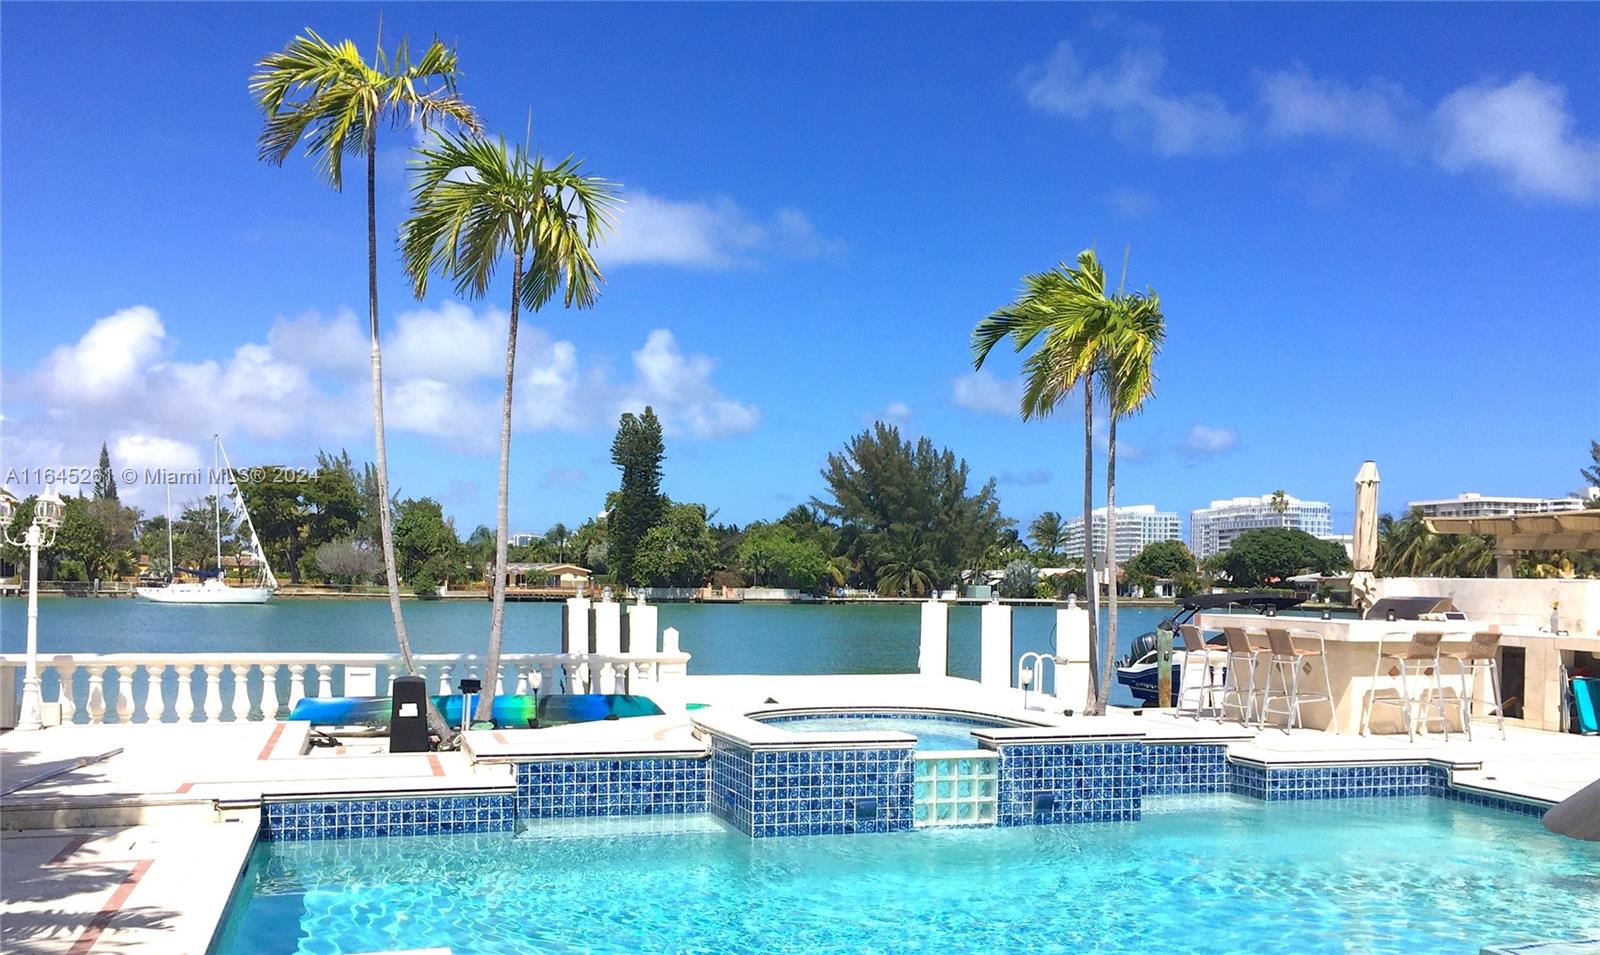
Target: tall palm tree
{"x": 559, "y": 535}
{"x": 1047, "y": 532}
{"x": 474, "y": 201}
{"x": 328, "y": 96}
{"x": 1105, "y": 342}
{"x": 1052, "y": 304}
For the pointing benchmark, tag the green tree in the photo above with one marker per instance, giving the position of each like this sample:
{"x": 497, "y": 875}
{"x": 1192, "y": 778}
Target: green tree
{"x": 1269, "y": 555}
{"x": 473, "y": 203}
{"x": 637, "y": 451}
{"x": 1021, "y": 579}
{"x": 1280, "y": 501}
{"x": 329, "y": 97}
{"x": 589, "y": 545}
{"x": 1099, "y": 341}
{"x": 678, "y": 551}
{"x": 782, "y": 555}
{"x": 1591, "y": 475}
{"x": 1170, "y": 559}
{"x": 1048, "y": 533}
{"x": 557, "y": 536}
{"x": 903, "y": 564}
{"x": 911, "y": 505}
{"x": 427, "y": 549}
{"x": 105, "y": 483}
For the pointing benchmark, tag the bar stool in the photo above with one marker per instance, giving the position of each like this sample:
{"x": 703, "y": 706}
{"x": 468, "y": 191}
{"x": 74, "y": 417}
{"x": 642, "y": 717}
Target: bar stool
{"x": 1484, "y": 655}
{"x": 1285, "y": 662}
{"x": 1420, "y": 658}
{"x": 1198, "y": 654}
{"x": 1243, "y": 651}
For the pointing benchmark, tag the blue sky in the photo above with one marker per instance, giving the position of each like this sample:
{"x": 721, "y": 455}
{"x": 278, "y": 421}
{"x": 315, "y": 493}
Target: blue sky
{"x": 1375, "y": 231}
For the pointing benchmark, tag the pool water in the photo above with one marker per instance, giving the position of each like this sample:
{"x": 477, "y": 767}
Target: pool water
{"x": 933, "y": 733}
{"x": 1202, "y": 874}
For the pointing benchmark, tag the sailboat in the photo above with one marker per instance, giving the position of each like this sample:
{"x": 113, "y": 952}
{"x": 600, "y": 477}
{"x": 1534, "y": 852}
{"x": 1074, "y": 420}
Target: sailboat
{"x": 212, "y": 589}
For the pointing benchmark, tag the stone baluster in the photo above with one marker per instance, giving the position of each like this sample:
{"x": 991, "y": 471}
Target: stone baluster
{"x": 573, "y": 669}
{"x": 324, "y": 680}
{"x": 269, "y": 692}
{"x": 521, "y": 688}
{"x": 297, "y": 684}
{"x": 619, "y": 677}
{"x": 97, "y": 693}
{"x": 211, "y": 702}
{"x": 445, "y": 669}
{"x": 183, "y": 700}
{"x": 155, "y": 702}
{"x": 125, "y": 693}
{"x": 238, "y": 708}
{"x": 547, "y": 677}
{"x": 64, "y": 673}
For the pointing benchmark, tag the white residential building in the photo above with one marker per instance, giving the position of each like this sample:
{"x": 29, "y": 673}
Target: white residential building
{"x": 1470, "y": 504}
{"x": 1137, "y": 526}
{"x": 521, "y": 539}
{"x": 1212, "y": 529}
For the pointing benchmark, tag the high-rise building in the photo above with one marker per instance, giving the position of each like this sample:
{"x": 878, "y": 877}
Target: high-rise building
{"x": 1212, "y": 529}
{"x": 1470, "y": 504}
{"x": 1137, "y": 526}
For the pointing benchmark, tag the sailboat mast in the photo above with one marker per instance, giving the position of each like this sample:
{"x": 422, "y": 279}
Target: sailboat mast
{"x": 216, "y": 497}
{"x": 172, "y": 570}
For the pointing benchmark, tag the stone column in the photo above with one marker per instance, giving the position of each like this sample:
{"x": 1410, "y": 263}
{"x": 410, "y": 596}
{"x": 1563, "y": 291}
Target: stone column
{"x": 643, "y": 621}
{"x": 1073, "y": 674}
{"x": 994, "y": 654}
{"x": 933, "y": 654}
{"x": 576, "y": 637}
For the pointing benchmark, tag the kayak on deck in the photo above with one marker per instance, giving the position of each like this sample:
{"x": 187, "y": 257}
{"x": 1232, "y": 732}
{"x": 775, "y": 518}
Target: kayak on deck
{"x": 510, "y": 712}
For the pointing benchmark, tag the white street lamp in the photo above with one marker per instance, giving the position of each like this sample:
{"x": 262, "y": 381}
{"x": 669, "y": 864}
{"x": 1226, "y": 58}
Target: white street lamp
{"x": 47, "y": 511}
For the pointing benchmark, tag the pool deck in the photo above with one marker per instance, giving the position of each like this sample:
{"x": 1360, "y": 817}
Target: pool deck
{"x": 139, "y": 852}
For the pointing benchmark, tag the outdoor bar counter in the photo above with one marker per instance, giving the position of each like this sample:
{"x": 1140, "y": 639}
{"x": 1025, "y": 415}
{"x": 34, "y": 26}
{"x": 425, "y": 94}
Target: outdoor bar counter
{"x": 1352, "y": 647}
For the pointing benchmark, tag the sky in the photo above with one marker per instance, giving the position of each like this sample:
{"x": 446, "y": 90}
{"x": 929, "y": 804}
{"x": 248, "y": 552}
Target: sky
{"x": 1375, "y": 230}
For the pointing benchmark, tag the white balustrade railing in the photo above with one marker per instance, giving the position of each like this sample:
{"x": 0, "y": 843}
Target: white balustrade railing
{"x": 229, "y": 687}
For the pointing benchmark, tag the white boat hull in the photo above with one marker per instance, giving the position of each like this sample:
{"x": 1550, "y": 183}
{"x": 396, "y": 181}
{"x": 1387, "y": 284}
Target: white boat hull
{"x": 210, "y": 592}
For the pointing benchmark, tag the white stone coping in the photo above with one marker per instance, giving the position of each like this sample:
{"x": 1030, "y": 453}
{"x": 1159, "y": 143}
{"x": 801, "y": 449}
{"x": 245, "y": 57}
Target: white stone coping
{"x": 524, "y": 746}
{"x": 751, "y": 734}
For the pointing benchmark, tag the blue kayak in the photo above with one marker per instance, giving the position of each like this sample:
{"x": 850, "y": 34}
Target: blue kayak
{"x": 510, "y": 712}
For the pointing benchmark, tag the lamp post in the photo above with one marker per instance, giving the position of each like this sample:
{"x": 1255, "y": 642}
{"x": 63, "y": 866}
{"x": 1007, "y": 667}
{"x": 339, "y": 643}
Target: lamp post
{"x": 47, "y": 510}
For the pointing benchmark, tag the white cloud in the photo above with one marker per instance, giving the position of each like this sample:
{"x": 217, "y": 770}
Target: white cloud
{"x": 1523, "y": 131}
{"x": 107, "y": 360}
{"x": 1298, "y": 103}
{"x": 1204, "y": 440}
{"x": 982, "y": 391}
{"x": 679, "y": 388}
{"x": 309, "y": 380}
{"x": 1131, "y": 92}
{"x": 714, "y": 233}
{"x": 1131, "y": 203}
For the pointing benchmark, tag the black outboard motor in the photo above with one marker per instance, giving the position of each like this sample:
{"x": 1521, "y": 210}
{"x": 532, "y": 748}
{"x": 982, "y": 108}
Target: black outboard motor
{"x": 1143, "y": 644}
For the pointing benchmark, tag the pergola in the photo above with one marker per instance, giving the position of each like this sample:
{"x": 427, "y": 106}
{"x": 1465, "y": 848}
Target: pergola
{"x": 1516, "y": 534}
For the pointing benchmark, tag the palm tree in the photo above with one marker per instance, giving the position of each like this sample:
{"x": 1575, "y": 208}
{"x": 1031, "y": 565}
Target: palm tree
{"x": 472, "y": 202}
{"x": 1280, "y": 501}
{"x": 558, "y": 535}
{"x": 327, "y": 95}
{"x": 1047, "y": 532}
{"x": 1092, "y": 338}
{"x": 1052, "y": 304}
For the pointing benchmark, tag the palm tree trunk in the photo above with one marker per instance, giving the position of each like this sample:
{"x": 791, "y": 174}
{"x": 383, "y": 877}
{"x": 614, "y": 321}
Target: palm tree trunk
{"x": 436, "y": 721}
{"x": 1098, "y": 692}
{"x": 1110, "y": 649}
{"x": 502, "y": 518}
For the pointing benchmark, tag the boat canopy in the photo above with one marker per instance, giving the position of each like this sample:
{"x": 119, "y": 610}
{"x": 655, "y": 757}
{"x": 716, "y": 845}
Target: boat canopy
{"x": 1258, "y": 600}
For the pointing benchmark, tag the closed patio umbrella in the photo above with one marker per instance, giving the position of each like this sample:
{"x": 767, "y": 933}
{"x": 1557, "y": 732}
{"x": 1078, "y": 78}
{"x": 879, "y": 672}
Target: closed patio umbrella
{"x": 1363, "y": 586}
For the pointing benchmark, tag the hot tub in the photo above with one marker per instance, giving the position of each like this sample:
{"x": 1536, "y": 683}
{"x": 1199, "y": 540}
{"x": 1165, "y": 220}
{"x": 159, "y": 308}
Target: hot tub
{"x": 935, "y": 732}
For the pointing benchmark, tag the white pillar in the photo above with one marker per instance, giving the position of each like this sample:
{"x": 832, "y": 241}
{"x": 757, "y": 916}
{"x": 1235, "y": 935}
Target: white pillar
{"x": 608, "y": 628}
{"x": 994, "y": 654}
{"x": 1072, "y": 656}
{"x": 576, "y": 639}
{"x": 933, "y": 654}
{"x": 643, "y": 621}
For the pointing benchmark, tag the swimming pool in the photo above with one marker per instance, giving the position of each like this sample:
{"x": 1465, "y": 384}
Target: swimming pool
{"x": 935, "y": 732}
{"x": 1213, "y": 873}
